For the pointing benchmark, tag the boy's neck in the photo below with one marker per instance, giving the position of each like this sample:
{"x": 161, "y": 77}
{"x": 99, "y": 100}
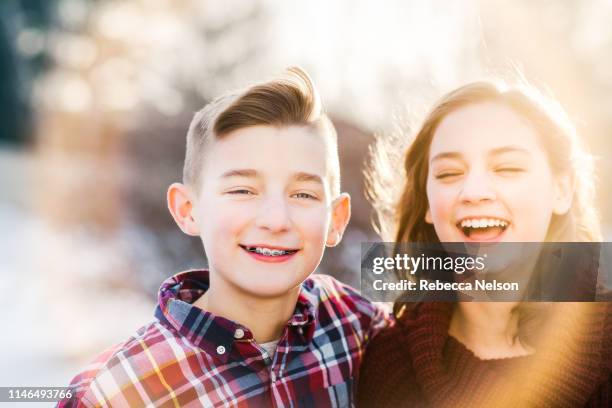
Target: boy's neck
{"x": 265, "y": 317}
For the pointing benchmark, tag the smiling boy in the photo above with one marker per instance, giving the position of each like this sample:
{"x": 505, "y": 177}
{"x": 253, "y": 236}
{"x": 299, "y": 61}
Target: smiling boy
{"x": 262, "y": 190}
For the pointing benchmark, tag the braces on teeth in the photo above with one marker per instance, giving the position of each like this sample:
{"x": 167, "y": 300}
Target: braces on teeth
{"x": 270, "y": 252}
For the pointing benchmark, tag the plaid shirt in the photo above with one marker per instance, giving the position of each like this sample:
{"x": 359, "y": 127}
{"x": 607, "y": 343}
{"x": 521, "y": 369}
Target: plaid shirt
{"x": 191, "y": 358}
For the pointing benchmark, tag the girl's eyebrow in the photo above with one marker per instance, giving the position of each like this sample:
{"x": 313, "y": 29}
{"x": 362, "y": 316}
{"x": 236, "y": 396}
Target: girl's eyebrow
{"x": 509, "y": 149}
{"x": 493, "y": 152}
{"x": 446, "y": 155}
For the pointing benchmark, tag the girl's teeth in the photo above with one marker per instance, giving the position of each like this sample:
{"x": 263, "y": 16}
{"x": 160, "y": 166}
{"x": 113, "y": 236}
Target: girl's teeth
{"x": 483, "y": 223}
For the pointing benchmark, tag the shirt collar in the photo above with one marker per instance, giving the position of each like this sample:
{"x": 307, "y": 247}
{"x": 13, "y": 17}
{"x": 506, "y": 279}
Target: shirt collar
{"x": 215, "y": 334}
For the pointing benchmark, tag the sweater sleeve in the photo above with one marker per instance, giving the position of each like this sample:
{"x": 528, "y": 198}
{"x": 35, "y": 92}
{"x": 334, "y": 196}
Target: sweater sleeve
{"x": 368, "y": 376}
{"x": 386, "y": 377}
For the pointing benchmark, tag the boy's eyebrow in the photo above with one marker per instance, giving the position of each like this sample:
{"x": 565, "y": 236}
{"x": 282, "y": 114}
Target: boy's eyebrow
{"x": 240, "y": 173}
{"x": 303, "y": 176}
{"x": 495, "y": 152}
{"x": 252, "y": 173}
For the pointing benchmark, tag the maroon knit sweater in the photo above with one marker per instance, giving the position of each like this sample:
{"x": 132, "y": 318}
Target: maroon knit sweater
{"x": 417, "y": 364}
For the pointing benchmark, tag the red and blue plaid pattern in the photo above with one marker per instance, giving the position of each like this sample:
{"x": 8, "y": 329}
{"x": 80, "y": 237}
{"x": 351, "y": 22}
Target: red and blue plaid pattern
{"x": 191, "y": 358}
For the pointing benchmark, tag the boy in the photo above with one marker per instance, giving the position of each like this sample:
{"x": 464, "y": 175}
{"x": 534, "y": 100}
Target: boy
{"x": 262, "y": 190}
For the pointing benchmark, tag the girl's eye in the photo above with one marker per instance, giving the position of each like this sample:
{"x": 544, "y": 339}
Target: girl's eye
{"x": 305, "y": 195}
{"x": 447, "y": 175}
{"x": 509, "y": 170}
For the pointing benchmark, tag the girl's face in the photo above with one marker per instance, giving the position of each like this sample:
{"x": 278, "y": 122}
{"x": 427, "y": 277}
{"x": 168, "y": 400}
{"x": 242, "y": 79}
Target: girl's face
{"x": 489, "y": 178}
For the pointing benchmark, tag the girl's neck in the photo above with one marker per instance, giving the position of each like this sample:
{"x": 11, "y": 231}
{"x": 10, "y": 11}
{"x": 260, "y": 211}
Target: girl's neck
{"x": 266, "y": 317}
{"x": 488, "y": 329}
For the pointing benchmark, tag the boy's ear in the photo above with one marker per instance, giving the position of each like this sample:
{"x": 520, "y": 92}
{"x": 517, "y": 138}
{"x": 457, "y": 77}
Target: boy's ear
{"x": 180, "y": 203}
{"x": 341, "y": 213}
{"x": 563, "y": 194}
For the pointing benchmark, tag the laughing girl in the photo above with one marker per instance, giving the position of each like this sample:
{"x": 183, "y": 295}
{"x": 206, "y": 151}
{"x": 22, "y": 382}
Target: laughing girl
{"x": 491, "y": 163}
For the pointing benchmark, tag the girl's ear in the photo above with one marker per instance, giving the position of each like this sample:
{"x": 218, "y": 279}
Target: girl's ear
{"x": 428, "y": 218}
{"x": 563, "y": 193}
{"x": 180, "y": 203}
{"x": 341, "y": 213}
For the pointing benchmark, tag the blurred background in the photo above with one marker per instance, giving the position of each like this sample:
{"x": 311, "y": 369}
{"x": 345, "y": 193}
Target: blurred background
{"x": 96, "y": 98}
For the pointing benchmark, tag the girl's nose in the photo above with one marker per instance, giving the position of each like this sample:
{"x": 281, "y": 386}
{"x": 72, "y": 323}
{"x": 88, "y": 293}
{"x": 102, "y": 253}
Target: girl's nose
{"x": 476, "y": 188}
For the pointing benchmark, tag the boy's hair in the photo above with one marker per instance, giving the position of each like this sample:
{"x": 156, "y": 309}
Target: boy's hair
{"x": 290, "y": 99}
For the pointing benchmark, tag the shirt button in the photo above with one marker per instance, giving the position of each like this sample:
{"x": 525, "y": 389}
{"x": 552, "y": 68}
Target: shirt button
{"x": 220, "y": 350}
{"x": 239, "y": 333}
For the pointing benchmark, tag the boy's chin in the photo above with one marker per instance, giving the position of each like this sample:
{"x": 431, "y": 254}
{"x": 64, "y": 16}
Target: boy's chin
{"x": 272, "y": 288}
{"x": 270, "y": 284}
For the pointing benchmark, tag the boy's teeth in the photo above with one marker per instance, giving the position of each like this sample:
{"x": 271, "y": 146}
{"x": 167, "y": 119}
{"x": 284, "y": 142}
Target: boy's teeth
{"x": 270, "y": 252}
{"x": 483, "y": 223}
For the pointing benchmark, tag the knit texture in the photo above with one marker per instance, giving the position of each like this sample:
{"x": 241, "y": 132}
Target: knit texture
{"x": 417, "y": 364}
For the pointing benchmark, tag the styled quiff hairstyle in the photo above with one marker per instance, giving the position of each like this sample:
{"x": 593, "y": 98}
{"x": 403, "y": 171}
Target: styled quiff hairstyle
{"x": 290, "y": 99}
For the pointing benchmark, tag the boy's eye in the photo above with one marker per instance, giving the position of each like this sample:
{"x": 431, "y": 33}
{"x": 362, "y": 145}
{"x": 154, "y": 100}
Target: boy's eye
{"x": 241, "y": 191}
{"x": 304, "y": 195}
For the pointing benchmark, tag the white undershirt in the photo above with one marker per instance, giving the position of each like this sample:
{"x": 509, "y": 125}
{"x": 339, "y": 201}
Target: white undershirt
{"x": 269, "y": 347}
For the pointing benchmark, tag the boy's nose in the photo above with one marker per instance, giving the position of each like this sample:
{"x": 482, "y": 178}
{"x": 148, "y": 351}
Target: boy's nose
{"x": 476, "y": 188}
{"x": 273, "y": 215}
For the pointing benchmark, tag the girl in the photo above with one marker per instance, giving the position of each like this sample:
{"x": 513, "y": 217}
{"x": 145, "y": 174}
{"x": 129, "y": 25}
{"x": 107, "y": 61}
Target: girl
{"x": 491, "y": 164}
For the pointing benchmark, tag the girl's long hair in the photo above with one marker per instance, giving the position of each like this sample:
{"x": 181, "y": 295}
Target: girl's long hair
{"x": 398, "y": 193}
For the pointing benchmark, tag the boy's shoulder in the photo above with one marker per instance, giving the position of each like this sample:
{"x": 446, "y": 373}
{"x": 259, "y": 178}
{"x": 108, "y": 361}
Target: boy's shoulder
{"x": 334, "y": 299}
{"x": 115, "y": 374}
{"x": 326, "y": 287}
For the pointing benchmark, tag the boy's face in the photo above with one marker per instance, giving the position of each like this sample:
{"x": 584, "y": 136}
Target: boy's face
{"x": 264, "y": 211}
